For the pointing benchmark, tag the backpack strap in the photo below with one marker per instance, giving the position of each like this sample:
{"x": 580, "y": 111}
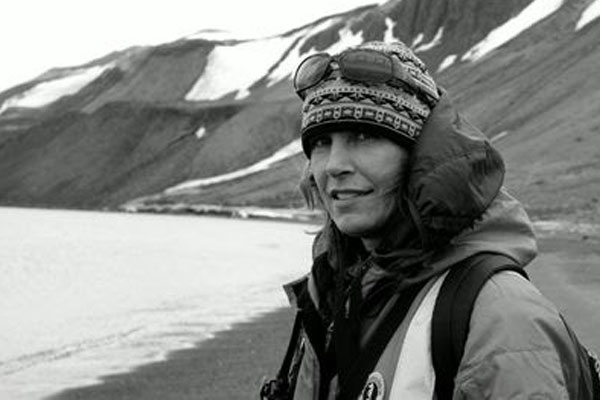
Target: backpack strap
{"x": 280, "y": 387}
{"x": 594, "y": 365}
{"x": 452, "y": 313}
{"x": 589, "y": 365}
{"x": 350, "y": 388}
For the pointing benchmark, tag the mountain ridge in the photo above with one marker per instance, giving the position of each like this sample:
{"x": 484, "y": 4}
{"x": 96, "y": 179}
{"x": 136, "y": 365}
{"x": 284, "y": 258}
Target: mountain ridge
{"x": 150, "y": 122}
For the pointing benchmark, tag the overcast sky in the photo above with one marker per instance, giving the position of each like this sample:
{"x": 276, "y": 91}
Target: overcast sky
{"x": 36, "y": 35}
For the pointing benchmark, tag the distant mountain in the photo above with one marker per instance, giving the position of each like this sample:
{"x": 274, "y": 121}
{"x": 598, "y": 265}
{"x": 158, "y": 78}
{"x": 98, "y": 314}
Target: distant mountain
{"x": 210, "y": 119}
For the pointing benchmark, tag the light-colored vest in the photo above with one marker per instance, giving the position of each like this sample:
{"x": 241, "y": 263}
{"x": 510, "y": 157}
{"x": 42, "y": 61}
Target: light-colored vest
{"x": 405, "y": 368}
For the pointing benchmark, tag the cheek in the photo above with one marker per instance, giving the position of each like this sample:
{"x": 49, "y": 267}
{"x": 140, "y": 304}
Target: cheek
{"x": 389, "y": 176}
{"x": 319, "y": 176}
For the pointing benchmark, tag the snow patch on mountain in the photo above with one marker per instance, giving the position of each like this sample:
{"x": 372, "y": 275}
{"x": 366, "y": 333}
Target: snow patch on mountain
{"x": 48, "y": 92}
{"x": 589, "y": 14}
{"x": 529, "y": 16}
{"x": 287, "y": 67}
{"x": 447, "y": 62}
{"x": 213, "y": 34}
{"x": 290, "y": 150}
{"x": 417, "y": 40}
{"x": 236, "y": 67}
{"x": 437, "y": 39}
{"x": 499, "y": 136}
{"x": 389, "y": 32}
{"x": 347, "y": 39}
{"x": 200, "y": 132}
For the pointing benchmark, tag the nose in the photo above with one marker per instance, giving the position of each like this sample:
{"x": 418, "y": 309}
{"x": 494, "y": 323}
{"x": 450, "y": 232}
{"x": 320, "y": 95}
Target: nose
{"x": 339, "y": 161}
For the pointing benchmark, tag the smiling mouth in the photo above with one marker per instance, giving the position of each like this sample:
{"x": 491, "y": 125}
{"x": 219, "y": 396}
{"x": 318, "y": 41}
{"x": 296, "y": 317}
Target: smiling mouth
{"x": 348, "y": 194}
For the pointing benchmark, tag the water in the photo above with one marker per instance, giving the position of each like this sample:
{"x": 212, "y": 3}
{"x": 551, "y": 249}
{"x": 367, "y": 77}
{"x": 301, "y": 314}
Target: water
{"x": 84, "y": 294}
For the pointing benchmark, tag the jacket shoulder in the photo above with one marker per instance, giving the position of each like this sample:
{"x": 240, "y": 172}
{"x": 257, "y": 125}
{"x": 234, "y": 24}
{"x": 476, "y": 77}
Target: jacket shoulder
{"x": 517, "y": 343}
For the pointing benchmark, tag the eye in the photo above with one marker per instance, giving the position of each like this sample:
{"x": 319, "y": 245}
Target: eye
{"x": 320, "y": 142}
{"x": 364, "y": 136}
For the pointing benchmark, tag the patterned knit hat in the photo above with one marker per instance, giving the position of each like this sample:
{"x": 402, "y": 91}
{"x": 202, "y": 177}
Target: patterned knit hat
{"x": 397, "y": 111}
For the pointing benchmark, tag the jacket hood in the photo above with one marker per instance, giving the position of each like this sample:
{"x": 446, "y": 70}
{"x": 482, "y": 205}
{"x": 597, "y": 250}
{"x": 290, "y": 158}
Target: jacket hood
{"x": 454, "y": 202}
{"x": 454, "y": 177}
{"x": 504, "y": 228}
{"x": 456, "y": 198}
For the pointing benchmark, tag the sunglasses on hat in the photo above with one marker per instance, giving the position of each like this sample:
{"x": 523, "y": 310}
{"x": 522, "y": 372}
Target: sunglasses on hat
{"x": 361, "y": 65}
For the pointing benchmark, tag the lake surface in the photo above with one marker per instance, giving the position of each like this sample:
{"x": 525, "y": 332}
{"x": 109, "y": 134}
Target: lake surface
{"x": 84, "y": 294}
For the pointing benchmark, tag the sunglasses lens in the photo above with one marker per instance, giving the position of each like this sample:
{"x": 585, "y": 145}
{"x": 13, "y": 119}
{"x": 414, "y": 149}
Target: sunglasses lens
{"x": 311, "y": 71}
{"x": 366, "y": 66}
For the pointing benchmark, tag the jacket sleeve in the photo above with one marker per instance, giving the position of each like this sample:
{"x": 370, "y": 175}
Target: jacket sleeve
{"x": 518, "y": 346}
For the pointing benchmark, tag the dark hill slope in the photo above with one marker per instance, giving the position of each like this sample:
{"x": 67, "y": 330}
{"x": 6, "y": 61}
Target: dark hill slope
{"x": 161, "y": 74}
{"x": 537, "y": 95}
{"x": 541, "y": 91}
{"x": 121, "y": 151}
{"x": 132, "y": 133}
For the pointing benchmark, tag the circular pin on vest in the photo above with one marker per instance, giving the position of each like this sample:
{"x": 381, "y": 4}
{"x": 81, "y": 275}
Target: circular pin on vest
{"x": 374, "y": 388}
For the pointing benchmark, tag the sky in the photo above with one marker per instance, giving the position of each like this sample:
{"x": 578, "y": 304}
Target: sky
{"x": 36, "y": 35}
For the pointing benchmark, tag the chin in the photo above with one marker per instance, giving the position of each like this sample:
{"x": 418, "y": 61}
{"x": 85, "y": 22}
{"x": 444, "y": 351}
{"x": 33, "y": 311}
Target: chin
{"x": 355, "y": 227}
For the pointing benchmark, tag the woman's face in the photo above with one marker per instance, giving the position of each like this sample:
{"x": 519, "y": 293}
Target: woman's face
{"x": 358, "y": 175}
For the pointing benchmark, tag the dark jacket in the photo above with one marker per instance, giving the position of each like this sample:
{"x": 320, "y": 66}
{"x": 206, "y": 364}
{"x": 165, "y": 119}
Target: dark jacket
{"x": 518, "y": 346}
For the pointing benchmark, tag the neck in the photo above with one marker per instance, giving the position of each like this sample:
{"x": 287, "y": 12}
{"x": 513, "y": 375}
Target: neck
{"x": 398, "y": 234}
{"x": 370, "y": 244}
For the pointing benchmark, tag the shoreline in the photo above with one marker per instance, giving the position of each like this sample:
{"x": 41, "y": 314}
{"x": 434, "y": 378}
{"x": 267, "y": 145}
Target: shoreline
{"x": 233, "y": 363}
{"x": 230, "y": 365}
{"x": 565, "y": 227}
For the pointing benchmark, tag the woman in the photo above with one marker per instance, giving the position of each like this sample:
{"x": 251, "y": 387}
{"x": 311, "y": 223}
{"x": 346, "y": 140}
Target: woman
{"x": 410, "y": 189}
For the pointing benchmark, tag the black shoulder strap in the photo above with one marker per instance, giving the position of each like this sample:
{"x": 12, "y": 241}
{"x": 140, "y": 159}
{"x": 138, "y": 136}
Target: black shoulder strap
{"x": 452, "y": 314}
{"x": 589, "y": 365}
{"x": 367, "y": 360}
{"x": 280, "y": 387}
{"x": 289, "y": 354}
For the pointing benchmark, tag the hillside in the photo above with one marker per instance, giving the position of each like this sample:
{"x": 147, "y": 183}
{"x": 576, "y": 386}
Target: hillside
{"x": 196, "y": 121}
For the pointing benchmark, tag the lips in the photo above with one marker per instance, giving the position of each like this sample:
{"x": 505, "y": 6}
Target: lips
{"x": 348, "y": 194}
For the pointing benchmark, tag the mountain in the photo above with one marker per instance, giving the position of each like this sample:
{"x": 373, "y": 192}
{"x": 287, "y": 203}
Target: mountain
{"x": 210, "y": 119}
